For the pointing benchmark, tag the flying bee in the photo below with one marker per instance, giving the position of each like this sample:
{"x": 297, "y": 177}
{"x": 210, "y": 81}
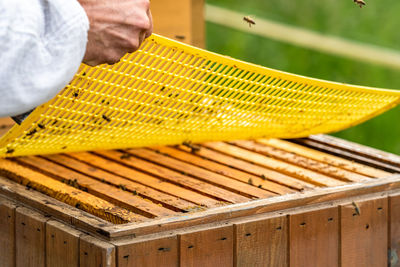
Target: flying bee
{"x": 251, "y": 21}
{"x": 359, "y": 2}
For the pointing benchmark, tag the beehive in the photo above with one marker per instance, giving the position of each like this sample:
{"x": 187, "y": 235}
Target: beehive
{"x": 318, "y": 201}
{"x": 264, "y": 202}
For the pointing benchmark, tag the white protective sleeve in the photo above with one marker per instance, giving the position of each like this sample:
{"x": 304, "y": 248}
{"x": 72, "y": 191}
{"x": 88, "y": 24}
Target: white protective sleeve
{"x": 42, "y": 43}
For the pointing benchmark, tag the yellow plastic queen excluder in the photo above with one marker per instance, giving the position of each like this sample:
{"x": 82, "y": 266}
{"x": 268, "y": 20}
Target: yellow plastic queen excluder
{"x": 168, "y": 92}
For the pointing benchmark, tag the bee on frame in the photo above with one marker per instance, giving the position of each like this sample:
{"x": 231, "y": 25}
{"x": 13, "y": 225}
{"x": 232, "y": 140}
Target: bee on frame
{"x": 251, "y": 21}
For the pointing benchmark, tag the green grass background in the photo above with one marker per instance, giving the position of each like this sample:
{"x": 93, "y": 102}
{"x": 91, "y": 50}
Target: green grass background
{"x": 377, "y": 23}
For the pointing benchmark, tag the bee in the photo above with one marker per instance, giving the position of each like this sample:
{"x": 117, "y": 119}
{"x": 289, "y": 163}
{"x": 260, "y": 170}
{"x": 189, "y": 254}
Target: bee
{"x": 250, "y": 181}
{"x": 192, "y": 147}
{"x": 356, "y": 208}
{"x": 106, "y": 118}
{"x": 125, "y": 156}
{"x": 251, "y": 21}
{"x": 361, "y": 3}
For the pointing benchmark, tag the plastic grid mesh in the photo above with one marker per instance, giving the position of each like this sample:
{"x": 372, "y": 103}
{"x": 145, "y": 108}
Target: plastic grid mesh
{"x": 168, "y": 92}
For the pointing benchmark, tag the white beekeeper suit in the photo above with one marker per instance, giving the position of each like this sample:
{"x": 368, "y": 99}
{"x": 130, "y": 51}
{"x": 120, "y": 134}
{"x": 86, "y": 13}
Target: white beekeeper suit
{"x": 42, "y": 43}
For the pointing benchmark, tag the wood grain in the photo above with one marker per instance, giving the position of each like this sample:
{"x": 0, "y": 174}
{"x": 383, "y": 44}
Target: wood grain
{"x": 208, "y": 248}
{"x": 30, "y": 229}
{"x": 243, "y": 165}
{"x": 143, "y": 178}
{"x": 97, "y": 188}
{"x": 94, "y": 252}
{"x": 261, "y": 243}
{"x": 7, "y": 233}
{"x": 314, "y": 238}
{"x": 324, "y": 157}
{"x": 51, "y": 206}
{"x": 224, "y": 170}
{"x": 364, "y": 239}
{"x": 146, "y": 192}
{"x": 242, "y": 188}
{"x": 301, "y": 160}
{"x": 67, "y": 194}
{"x": 375, "y": 164}
{"x": 363, "y": 150}
{"x": 394, "y": 230}
{"x": 62, "y": 245}
{"x": 149, "y": 253}
{"x": 176, "y": 177}
{"x": 283, "y": 167}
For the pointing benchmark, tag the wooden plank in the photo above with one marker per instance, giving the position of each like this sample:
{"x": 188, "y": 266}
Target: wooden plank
{"x": 289, "y": 169}
{"x": 5, "y": 125}
{"x": 324, "y": 157}
{"x": 150, "y": 253}
{"x": 243, "y": 188}
{"x": 30, "y": 229}
{"x": 67, "y": 194}
{"x": 94, "y": 252}
{"x": 302, "y": 161}
{"x": 182, "y": 20}
{"x": 52, "y": 207}
{"x": 358, "y": 148}
{"x": 314, "y": 238}
{"x": 322, "y": 195}
{"x": 261, "y": 243}
{"x": 251, "y": 168}
{"x": 340, "y": 153}
{"x": 146, "y": 192}
{"x": 102, "y": 190}
{"x": 207, "y": 248}
{"x": 62, "y": 245}
{"x": 145, "y": 179}
{"x": 7, "y": 232}
{"x": 364, "y": 239}
{"x": 198, "y": 23}
{"x": 224, "y": 170}
{"x": 394, "y": 230}
{"x": 176, "y": 177}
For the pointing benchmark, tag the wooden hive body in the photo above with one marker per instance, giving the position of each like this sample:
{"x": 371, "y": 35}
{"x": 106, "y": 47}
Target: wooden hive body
{"x": 318, "y": 201}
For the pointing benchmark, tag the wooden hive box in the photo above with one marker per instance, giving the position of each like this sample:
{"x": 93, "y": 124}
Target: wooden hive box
{"x": 317, "y": 201}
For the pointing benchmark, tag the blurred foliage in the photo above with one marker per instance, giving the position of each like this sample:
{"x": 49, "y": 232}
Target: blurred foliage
{"x": 376, "y": 23}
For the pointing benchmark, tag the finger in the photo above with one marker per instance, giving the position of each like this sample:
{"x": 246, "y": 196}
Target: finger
{"x": 150, "y": 30}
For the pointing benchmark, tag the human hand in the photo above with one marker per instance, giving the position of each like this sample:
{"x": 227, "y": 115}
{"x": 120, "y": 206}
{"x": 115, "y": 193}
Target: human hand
{"x": 116, "y": 28}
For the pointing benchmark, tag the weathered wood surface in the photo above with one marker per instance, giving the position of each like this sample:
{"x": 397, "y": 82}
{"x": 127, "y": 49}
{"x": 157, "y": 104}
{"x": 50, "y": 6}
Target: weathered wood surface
{"x": 394, "y": 230}
{"x": 7, "y": 232}
{"x": 261, "y": 242}
{"x": 95, "y": 253}
{"x": 149, "y": 253}
{"x": 224, "y": 170}
{"x": 261, "y": 206}
{"x": 283, "y": 167}
{"x": 345, "y": 154}
{"x": 62, "y": 245}
{"x": 362, "y": 150}
{"x": 30, "y": 239}
{"x": 364, "y": 233}
{"x": 52, "y": 207}
{"x": 314, "y": 238}
{"x": 68, "y": 194}
{"x": 324, "y": 157}
{"x": 207, "y": 248}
